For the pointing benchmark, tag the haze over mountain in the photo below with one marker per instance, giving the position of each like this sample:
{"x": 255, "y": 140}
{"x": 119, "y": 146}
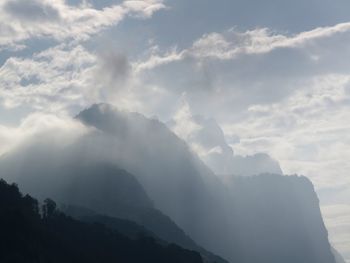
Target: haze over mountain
{"x": 207, "y": 139}
{"x": 243, "y": 220}
{"x": 29, "y": 236}
{"x": 248, "y": 87}
{"x": 73, "y": 175}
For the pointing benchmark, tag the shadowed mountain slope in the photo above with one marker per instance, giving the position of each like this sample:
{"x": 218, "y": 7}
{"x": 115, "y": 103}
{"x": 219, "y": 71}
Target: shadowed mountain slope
{"x": 278, "y": 219}
{"x": 260, "y": 219}
{"x": 101, "y": 187}
{"x": 54, "y": 237}
{"x": 269, "y": 218}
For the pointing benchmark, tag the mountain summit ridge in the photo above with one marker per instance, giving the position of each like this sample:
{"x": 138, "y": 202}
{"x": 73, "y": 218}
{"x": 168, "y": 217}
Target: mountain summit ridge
{"x": 246, "y": 219}
{"x": 217, "y": 203}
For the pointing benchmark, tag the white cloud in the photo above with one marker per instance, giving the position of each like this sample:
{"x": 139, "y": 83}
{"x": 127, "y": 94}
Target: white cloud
{"x": 258, "y": 41}
{"x": 67, "y": 78}
{"x": 207, "y": 140}
{"x": 306, "y": 131}
{"x": 60, "y": 130}
{"x": 155, "y": 59}
{"x": 232, "y": 43}
{"x": 184, "y": 125}
{"x": 143, "y": 8}
{"x": 50, "y": 81}
{"x": 55, "y": 19}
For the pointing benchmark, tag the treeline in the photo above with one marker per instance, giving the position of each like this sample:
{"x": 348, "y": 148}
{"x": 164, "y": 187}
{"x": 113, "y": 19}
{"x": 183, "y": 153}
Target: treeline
{"x": 40, "y": 234}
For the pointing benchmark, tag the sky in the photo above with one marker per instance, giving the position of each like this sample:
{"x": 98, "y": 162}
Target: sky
{"x": 275, "y": 75}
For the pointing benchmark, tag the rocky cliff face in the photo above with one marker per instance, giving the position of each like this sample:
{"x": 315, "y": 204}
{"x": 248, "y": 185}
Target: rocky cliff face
{"x": 277, "y": 219}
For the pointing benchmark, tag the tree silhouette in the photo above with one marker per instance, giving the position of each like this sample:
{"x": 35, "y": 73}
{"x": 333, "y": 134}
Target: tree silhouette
{"x": 48, "y": 208}
{"x": 55, "y": 237}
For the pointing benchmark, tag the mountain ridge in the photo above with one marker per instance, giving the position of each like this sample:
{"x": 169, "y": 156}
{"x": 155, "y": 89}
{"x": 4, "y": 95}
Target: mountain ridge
{"x": 215, "y": 214}
{"x": 28, "y": 236}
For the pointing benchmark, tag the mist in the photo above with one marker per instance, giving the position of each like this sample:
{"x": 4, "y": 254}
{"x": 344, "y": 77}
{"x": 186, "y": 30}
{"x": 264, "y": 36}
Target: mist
{"x": 194, "y": 132}
{"x": 72, "y": 161}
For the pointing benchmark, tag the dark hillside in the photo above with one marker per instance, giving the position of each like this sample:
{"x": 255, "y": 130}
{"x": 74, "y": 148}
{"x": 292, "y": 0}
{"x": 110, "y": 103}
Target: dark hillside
{"x": 26, "y": 236}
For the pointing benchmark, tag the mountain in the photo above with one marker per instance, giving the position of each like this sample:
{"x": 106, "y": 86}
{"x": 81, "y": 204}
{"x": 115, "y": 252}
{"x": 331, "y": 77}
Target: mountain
{"x": 277, "y": 219}
{"x": 178, "y": 182}
{"x": 208, "y": 140}
{"x": 281, "y": 224}
{"x": 337, "y": 256}
{"x": 131, "y": 229}
{"x": 126, "y": 227}
{"x": 26, "y": 236}
{"x": 70, "y": 179}
{"x": 267, "y": 218}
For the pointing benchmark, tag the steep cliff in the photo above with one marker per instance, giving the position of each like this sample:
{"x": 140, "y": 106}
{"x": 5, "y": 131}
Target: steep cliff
{"x": 277, "y": 219}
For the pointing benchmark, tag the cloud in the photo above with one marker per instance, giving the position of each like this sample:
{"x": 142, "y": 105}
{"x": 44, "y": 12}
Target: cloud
{"x": 183, "y": 124}
{"x": 223, "y": 74}
{"x": 278, "y": 84}
{"x": 232, "y": 43}
{"x": 216, "y": 71}
{"x": 144, "y": 8}
{"x": 258, "y": 41}
{"x": 207, "y": 140}
{"x": 31, "y": 10}
{"x": 67, "y": 78}
{"x": 57, "y": 20}
{"x": 59, "y": 130}
{"x": 51, "y": 80}
{"x": 112, "y": 74}
{"x": 303, "y": 131}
